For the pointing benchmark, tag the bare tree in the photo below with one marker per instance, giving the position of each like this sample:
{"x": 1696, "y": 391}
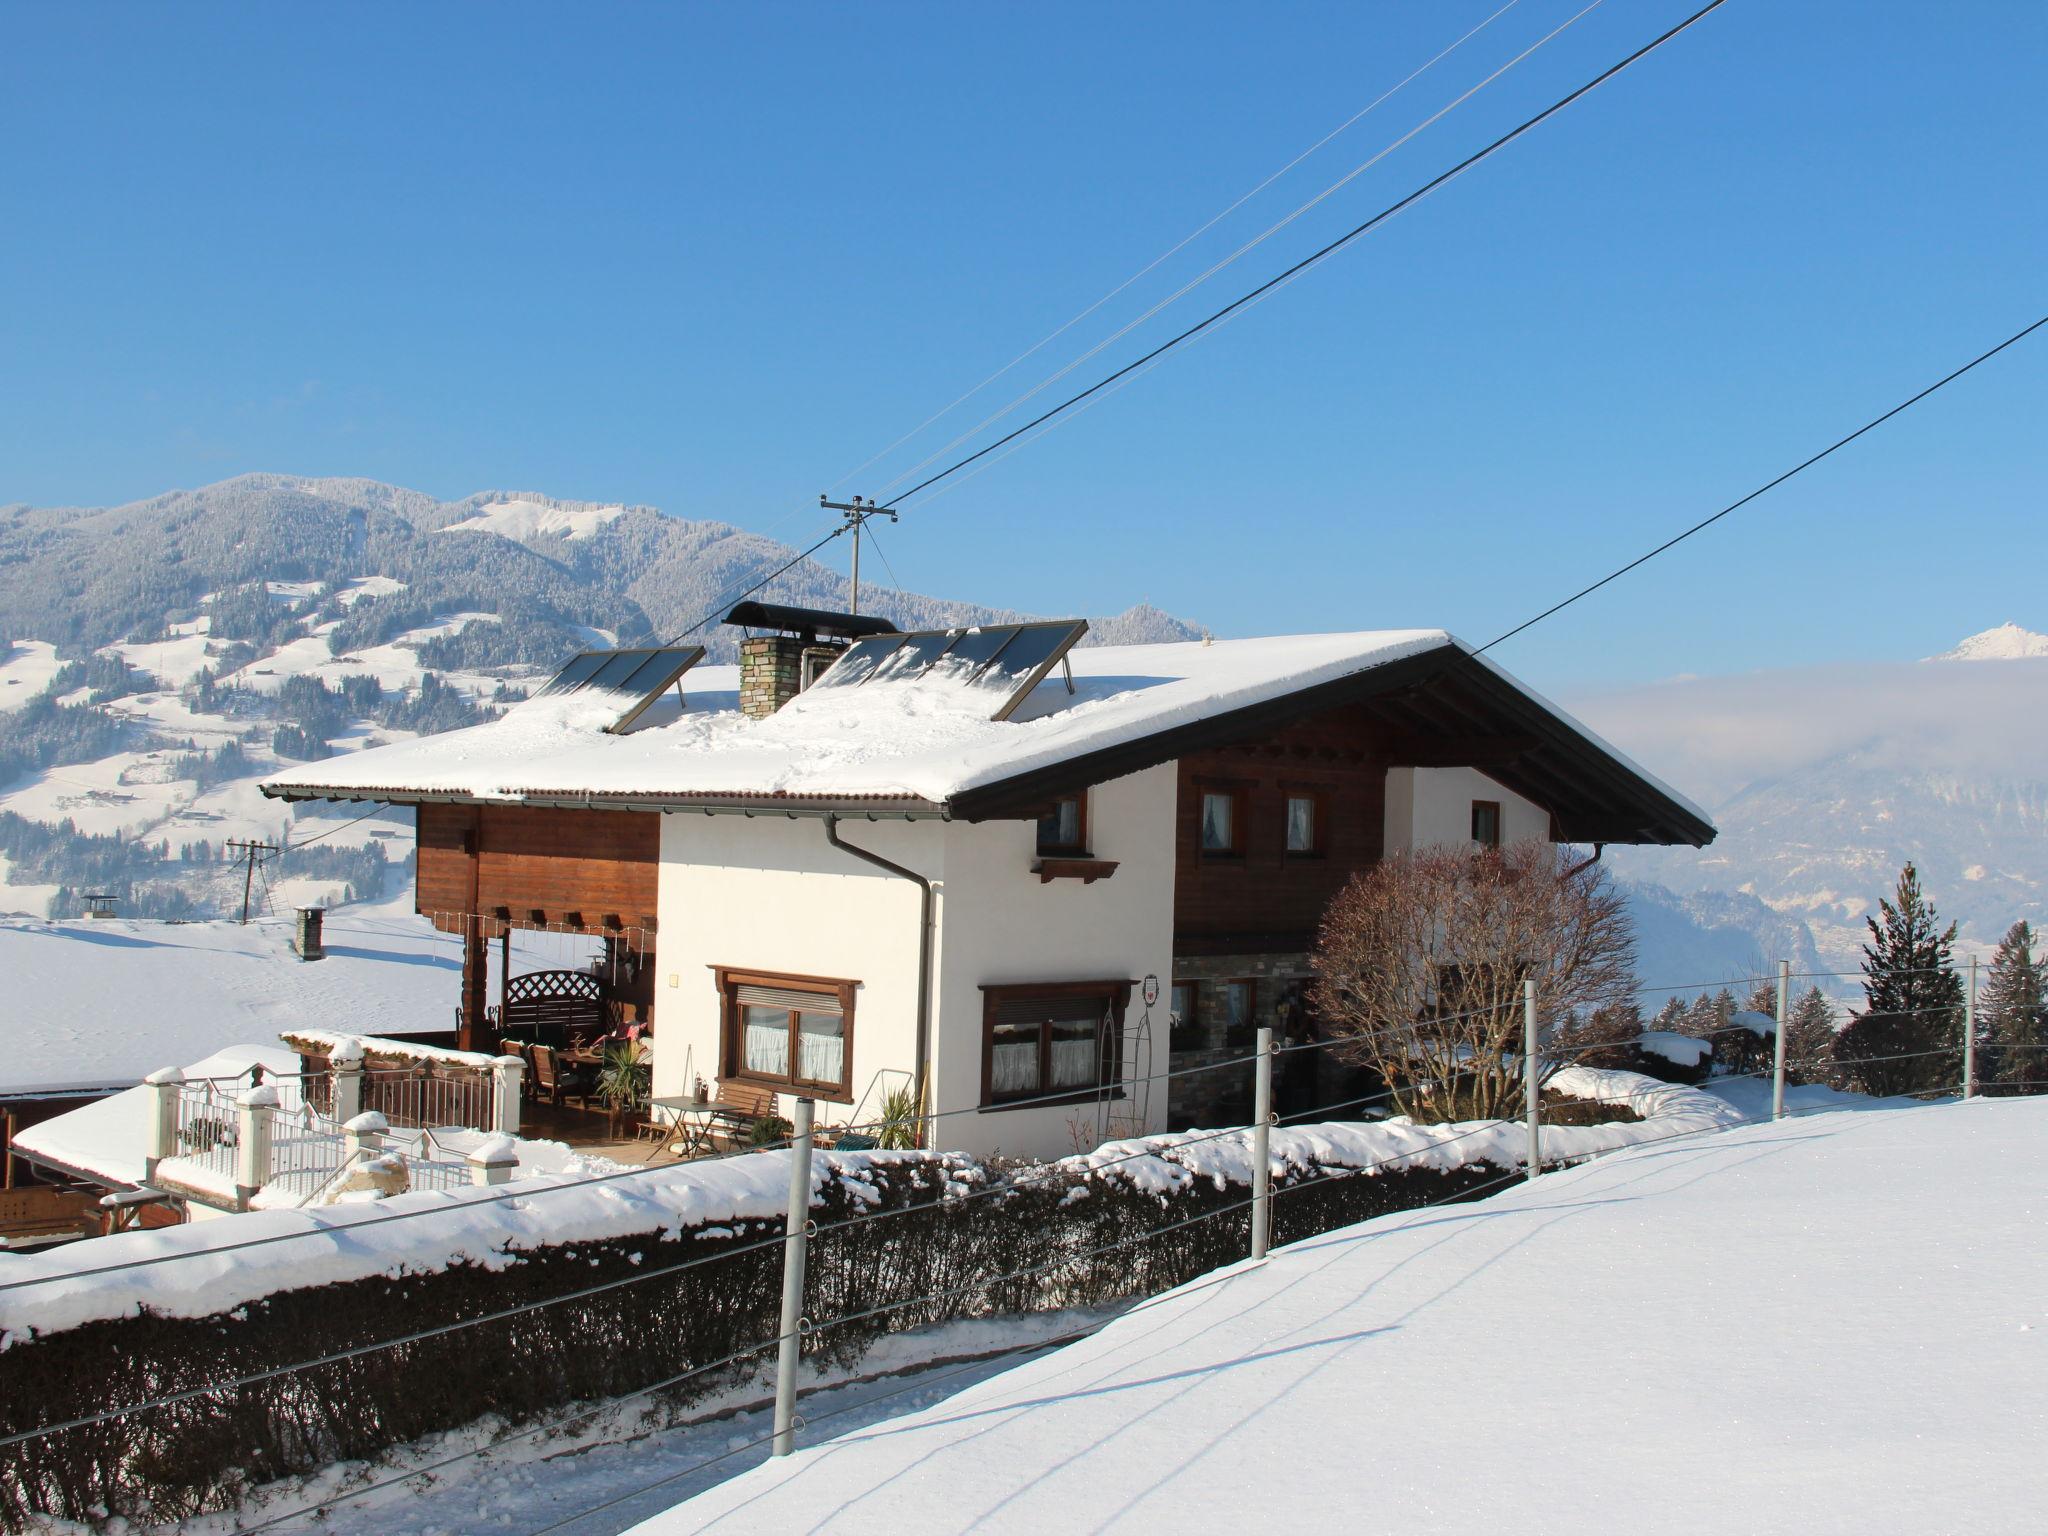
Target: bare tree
{"x": 1421, "y": 961}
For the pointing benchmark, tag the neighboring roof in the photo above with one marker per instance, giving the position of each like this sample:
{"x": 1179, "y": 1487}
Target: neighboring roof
{"x": 934, "y": 751}
{"x": 104, "y": 1141}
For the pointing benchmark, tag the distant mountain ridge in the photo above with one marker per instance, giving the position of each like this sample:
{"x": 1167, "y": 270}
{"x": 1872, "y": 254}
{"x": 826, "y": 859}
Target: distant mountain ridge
{"x": 552, "y": 568}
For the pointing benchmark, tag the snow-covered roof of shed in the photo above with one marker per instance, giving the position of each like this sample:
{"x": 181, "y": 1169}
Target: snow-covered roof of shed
{"x": 885, "y": 740}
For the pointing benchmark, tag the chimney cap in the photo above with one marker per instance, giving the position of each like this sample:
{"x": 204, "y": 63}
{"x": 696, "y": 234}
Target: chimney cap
{"x": 809, "y": 623}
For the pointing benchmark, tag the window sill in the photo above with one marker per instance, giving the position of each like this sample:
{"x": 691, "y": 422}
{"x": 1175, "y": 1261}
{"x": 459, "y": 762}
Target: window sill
{"x": 1080, "y": 1096}
{"x": 1087, "y": 871}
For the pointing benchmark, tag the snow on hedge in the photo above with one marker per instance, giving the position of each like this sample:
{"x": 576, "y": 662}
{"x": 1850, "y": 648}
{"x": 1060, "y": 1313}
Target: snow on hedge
{"x": 1163, "y": 1164}
{"x": 1680, "y": 1050}
{"x": 424, "y": 1231}
{"x": 415, "y": 1233}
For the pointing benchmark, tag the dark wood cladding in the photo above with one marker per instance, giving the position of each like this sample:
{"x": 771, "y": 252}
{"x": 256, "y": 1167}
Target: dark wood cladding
{"x": 586, "y": 869}
{"x": 1265, "y": 898}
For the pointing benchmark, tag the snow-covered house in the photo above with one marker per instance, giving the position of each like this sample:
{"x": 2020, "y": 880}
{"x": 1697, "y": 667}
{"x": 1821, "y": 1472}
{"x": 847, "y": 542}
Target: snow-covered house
{"x": 986, "y": 859}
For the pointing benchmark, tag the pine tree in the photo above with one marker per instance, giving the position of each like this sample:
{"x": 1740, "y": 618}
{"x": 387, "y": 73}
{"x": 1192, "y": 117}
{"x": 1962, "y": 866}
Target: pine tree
{"x": 1907, "y": 1039}
{"x": 1763, "y": 998}
{"x": 1670, "y": 1018}
{"x": 2012, "y": 1017}
{"x": 1810, "y": 1039}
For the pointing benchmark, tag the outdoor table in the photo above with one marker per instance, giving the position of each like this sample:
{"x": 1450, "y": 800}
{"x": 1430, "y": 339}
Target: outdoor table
{"x": 695, "y": 1119}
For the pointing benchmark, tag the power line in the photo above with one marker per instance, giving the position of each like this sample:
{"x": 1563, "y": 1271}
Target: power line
{"x": 1708, "y": 522}
{"x": 1322, "y": 253}
{"x": 723, "y": 603}
{"x": 1183, "y": 243}
{"x": 1250, "y": 245}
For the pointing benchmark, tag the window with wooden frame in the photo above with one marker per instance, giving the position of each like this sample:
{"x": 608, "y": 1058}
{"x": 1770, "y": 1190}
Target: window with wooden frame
{"x": 1219, "y": 827}
{"x": 1486, "y": 823}
{"x": 1063, "y": 829}
{"x": 1303, "y": 831}
{"x": 1047, "y": 1039}
{"x": 793, "y": 1034}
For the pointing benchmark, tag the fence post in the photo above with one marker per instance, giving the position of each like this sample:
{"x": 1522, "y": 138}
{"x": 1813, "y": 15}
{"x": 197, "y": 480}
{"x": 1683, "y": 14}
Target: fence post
{"x": 1778, "y": 1048}
{"x": 1262, "y": 1145}
{"x": 797, "y": 1224}
{"x": 253, "y": 1110}
{"x": 493, "y": 1161}
{"x": 165, "y": 1083}
{"x": 1531, "y": 1075}
{"x": 506, "y": 1072}
{"x": 346, "y": 1066}
{"x": 363, "y": 1135}
{"x": 1970, "y": 1034}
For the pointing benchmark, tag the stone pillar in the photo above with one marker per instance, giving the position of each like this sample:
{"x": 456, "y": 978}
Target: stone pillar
{"x": 494, "y": 1161}
{"x": 346, "y": 1067}
{"x": 164, "y": 1083}
{"x": 363, "y": 1135}
{"x": 771, "y": 673}
{"x": 506, "y": 1073}
{"x": 254, "y": 1108}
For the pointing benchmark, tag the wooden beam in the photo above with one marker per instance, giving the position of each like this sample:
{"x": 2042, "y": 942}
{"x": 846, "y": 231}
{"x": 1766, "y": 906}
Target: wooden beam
{"x": 1457, "y": 751}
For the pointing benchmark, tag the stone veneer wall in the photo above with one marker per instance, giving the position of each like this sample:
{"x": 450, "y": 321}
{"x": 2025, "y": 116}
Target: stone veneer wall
{"x": 771, "y": 673}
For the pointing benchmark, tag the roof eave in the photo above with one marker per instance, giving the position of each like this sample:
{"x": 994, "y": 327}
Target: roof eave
{"x": 706, "y": 803}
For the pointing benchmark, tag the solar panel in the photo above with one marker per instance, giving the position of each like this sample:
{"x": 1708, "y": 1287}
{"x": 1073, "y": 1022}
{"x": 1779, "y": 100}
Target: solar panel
{"x": 635, "y": 677}
{"x": 1004, "y": 661}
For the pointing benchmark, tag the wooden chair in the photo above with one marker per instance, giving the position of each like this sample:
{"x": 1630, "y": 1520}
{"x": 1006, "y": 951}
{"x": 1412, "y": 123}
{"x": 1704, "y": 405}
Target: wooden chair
{"x": 559, "y": 1084}
{"x": 749, "y": 1104}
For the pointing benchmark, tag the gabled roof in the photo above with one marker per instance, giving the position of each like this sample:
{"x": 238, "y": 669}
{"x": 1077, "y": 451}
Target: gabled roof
{"x": 901, "y": 749}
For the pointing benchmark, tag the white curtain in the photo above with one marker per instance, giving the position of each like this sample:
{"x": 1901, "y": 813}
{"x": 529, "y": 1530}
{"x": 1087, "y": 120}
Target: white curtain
{"x": 1013, "y": 1067}
{"x": 821, "y": 1041}
{"x": 1073, "y": 1063}
{"x": 1216, "y": 821}
{"x": 767, "y": 1042}
{"x": 1301, "y": 824}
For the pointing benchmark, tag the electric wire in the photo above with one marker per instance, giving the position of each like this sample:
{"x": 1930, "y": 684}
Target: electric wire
{"x": 1179, "y": 246}
{"x": 1324, "y": 252}
{"x": 1708, "y": 522}
{"x": 1192, "y": 284}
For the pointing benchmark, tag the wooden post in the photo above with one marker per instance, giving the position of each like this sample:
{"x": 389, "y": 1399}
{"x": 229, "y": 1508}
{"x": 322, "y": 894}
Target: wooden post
{"x": 7, "y": 1151}
{"x": 504, "y": 971}
{"x": 475, "y": 983}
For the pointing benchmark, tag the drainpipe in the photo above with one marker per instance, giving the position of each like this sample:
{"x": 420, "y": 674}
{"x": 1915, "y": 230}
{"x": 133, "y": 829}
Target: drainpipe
{"x": 1584, "y": 864}
{"x": 924, "y": 945}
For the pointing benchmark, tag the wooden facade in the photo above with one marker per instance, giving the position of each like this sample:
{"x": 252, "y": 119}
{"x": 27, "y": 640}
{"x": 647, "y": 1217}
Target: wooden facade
{"x": 1263, "y": 898}
{"x": 487, "y": 869}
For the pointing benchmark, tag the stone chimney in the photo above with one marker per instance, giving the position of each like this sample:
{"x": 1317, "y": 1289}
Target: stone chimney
{"x": 771, "y": 673}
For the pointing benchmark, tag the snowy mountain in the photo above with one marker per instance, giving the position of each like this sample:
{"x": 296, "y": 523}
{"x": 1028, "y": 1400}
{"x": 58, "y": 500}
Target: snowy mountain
{"x": 2008, "y": 642}
{"x": 156, "y": 659}
{"x": 1824, "y": 781}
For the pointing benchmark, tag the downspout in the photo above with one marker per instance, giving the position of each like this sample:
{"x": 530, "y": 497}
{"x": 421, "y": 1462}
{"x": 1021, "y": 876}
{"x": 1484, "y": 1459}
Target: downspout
{"x": 1584, "y": 864}
{"x": 924, "y": 948}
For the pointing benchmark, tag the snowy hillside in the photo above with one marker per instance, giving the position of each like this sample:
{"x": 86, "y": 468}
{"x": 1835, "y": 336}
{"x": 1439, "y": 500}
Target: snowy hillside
{"x": 169, "y": 653}
{"x": 1824, "y": 781}
{"x": 1693, "y": 1338}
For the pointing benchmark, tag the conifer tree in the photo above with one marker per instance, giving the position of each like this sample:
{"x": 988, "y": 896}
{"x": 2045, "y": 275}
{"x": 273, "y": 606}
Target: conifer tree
{"x": 2012, "y": 1016}
{"x": 1907, "y": 1039}
{"x": 1670, "y": 1018}
{"x": 1810, "y": 1039}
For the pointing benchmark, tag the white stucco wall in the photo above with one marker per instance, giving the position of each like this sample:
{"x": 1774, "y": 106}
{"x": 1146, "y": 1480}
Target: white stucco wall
{"x": 770, "y": 894}
{"x": 1001, "y": 924}
{"x": 1431, "y": 806}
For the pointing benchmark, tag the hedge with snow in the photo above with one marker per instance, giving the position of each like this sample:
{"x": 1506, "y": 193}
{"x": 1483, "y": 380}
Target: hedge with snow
{"x": 957, "y": 1238}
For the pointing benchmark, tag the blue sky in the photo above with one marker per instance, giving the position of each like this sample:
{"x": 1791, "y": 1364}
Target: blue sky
{"x": 713, "y": 257}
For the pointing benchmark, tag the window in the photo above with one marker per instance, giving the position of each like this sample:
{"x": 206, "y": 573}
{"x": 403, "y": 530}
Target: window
{"x": 791, "y": 1033}
{"x": 1304, "y": 823}
{"x": 1048, "y": 1038}
{"x": 1240, "y": 1003}
{"x": 1064, "y": 828}
{"x": 1222, "y": 825}
{"x": 1486, "y": 823}
{"x": 1181, "y": 1010}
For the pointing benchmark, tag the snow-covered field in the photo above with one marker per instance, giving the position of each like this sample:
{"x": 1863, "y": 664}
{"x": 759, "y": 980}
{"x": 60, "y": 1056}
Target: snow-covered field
{"x": 102, "y": 1003}
{"x": 1831, "y": 1324}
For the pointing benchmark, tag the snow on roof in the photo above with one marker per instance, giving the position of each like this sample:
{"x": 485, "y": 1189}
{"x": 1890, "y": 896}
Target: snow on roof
{"x": 106, "y": 1138}
{"x": 1577, "y": 1331}
{"x": 894, "y": 740}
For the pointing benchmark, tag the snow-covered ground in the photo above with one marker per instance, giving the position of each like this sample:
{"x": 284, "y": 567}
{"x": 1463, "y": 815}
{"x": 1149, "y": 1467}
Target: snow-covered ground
{"x": 1832, "y": 1324}
{"x": 103, "y": 1003}
{"x": 25, "y": 671}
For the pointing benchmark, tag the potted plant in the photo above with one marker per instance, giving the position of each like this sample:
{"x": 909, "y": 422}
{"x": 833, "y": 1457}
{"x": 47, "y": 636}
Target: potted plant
{"x": 624, "y": 1081}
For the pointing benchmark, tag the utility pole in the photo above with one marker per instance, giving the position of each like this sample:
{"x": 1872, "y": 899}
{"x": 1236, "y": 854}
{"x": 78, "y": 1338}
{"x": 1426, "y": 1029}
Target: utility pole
{"x": 250, "y": 851}
{"x": 857, "y": 512}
